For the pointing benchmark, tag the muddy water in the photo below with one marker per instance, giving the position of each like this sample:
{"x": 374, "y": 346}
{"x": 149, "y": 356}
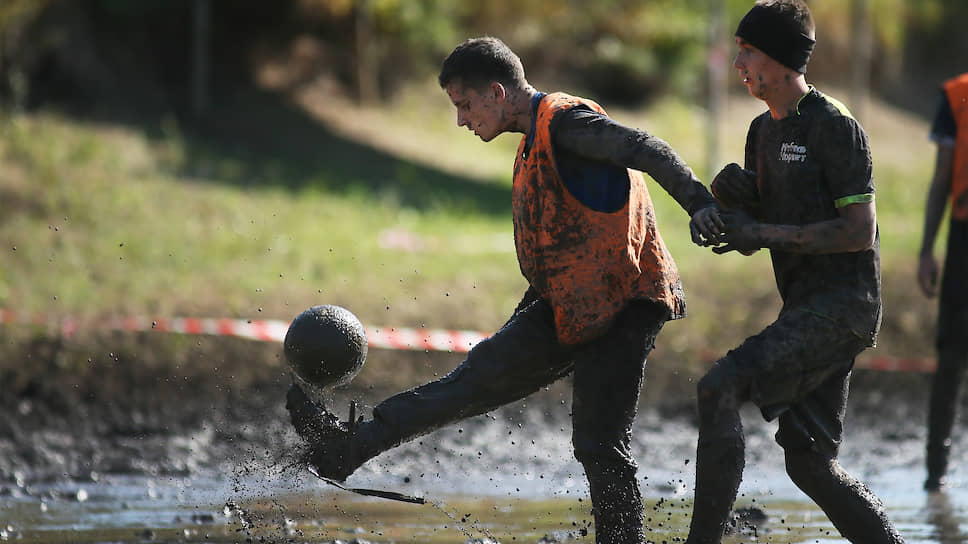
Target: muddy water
{"x": 505, "y": 477}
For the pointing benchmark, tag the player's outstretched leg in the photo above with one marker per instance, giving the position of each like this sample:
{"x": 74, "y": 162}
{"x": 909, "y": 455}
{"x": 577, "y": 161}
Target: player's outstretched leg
{"x": 516, "y": 361}
{"x": 331, "y": 448}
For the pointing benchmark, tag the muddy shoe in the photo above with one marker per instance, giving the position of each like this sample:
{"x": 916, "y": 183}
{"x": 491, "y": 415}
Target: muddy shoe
{"x": 330, "y": 441}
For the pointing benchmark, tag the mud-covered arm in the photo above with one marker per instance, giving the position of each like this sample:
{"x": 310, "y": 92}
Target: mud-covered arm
{"x": 854, "y": 229}
{"x": 595, "y": 136}
{"x": 529, "y": 297}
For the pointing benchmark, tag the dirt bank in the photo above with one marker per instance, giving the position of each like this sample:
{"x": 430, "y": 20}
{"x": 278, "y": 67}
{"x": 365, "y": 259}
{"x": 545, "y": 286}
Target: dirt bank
{"x": 160, "y": 405}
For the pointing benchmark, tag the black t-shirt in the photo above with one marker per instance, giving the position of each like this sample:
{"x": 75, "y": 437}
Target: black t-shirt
{"x": 808, "y": 165}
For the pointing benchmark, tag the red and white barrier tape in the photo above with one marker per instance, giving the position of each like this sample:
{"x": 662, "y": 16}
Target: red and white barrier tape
{"x": 394, "y": 338}
{"x": 269, "y": 330}
{"x": 897, "y": 364}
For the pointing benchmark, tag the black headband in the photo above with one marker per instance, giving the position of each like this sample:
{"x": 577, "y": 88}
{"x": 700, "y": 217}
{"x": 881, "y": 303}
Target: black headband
{"x": 777, "y": 36}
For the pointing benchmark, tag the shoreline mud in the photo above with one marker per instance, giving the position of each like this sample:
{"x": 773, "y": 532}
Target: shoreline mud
{"x": 68, "y": 411}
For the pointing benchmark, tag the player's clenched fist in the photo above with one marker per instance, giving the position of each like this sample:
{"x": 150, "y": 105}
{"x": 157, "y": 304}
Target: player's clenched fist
{"x": 735, "y": 187}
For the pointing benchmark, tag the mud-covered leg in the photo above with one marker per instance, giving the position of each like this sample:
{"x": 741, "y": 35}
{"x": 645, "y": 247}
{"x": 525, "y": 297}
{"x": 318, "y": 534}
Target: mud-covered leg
{"x": 853, "y": 508}
{"x": 607, "y": 381}
{"x": 942, "y": 409}
{"x": 952, "y": 349}
{"x": 616, "y": 501}
{"x": 518, "y": 360}
{"x": 720, "y": 454}
{"x": 811, "y": 463}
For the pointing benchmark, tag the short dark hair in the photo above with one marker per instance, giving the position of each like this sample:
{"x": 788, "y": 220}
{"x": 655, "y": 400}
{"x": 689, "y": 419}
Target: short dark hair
{"x": 795, "y": 11}
{"x": 480, "y": 61}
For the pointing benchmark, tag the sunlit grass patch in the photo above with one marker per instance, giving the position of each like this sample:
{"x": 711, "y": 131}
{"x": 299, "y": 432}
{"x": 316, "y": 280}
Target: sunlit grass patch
{"x": 107, "y": 220}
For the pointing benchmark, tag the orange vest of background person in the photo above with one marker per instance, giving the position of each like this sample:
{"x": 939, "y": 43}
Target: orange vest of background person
{"x": 957, "y": 91}
{"x": 586, "y": 264}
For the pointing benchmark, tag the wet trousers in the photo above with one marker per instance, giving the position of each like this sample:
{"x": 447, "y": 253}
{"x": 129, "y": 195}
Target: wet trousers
{"x": 524, "y": 356}
{"x": 797, "y": 369}
{"x": 952, "y": 348}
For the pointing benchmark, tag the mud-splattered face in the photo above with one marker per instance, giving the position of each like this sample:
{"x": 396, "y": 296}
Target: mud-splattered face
{"x": 761, "y": 74}
{"x": 481, "y": 112}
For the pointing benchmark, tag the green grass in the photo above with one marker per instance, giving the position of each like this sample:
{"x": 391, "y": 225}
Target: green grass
{"x": 284, "y": 207}
{"x": 102, "y": 226}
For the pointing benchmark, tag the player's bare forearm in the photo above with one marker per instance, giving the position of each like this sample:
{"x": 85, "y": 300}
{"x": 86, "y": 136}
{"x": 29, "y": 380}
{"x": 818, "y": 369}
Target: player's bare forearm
{"x": 937, "y": 197}
{"x": 933, "y": 212}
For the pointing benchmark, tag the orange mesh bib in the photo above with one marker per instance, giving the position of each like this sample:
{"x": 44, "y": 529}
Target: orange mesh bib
{"x": 957, "y": 91}
{"x": 587, "y": 264}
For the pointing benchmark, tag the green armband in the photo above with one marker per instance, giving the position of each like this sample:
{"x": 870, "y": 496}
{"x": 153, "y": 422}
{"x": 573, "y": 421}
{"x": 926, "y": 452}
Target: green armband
{"x": 854, "y": 199}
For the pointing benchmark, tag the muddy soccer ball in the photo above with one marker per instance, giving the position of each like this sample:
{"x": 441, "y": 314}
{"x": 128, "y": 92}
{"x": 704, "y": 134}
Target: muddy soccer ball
{"x": 326, "y": 345}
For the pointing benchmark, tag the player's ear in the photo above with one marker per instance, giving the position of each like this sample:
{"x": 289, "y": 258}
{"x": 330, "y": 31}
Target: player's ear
{"x": 498, "y": 91}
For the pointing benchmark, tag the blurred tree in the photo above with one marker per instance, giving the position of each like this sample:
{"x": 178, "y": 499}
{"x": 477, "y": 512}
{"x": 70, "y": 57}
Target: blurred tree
{"x": 930, "y": 46}
{"x": 392, "y": 40}
{"x": 620, "y": 50}
{"x": 617, "y": 50}
{"x": 13, "y": 10}
{"x": 110, "y": 52}
{"x": 15, "y": 15}
{"x": 201, "y": 61}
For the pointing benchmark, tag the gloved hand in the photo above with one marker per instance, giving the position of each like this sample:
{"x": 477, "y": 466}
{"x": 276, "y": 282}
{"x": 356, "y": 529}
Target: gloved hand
{"x": 735, "y": 187}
